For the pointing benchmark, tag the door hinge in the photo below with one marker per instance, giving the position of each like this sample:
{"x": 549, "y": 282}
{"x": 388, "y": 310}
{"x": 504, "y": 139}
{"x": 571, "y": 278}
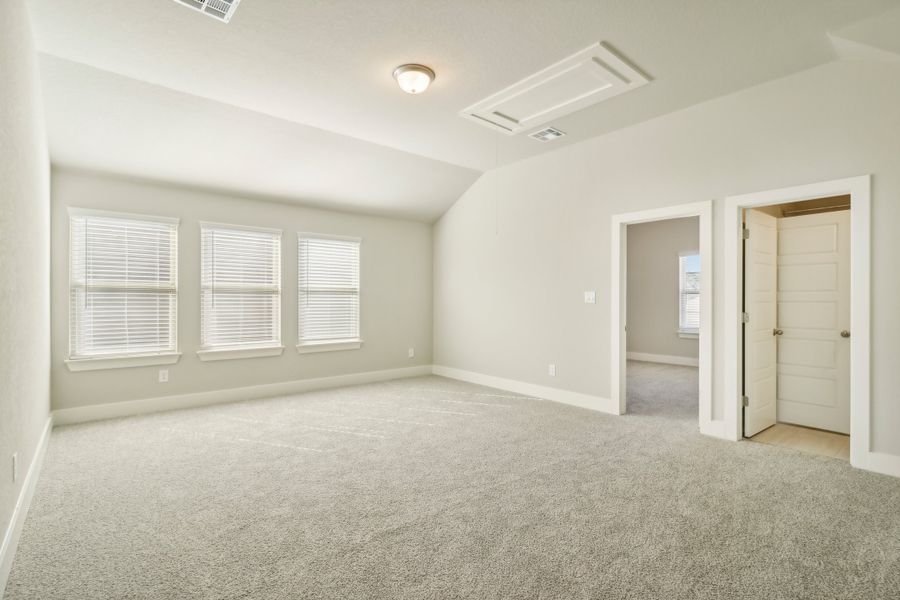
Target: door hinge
{"x": 745, "y": 233}
{"x": 745, "y": 317}
{"x": 745, "y": 401}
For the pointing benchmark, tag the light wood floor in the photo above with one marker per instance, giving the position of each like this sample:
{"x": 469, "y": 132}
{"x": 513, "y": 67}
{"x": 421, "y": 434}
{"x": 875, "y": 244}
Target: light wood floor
{"x": 814, "y": 441}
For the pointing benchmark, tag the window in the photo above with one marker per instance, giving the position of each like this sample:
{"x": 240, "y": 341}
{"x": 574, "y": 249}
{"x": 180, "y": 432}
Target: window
{"x": 328, "y": 299}
{"x": 240, "y": 292}
{"x": 122, "y": 290}
{"x": 689, "y": 294}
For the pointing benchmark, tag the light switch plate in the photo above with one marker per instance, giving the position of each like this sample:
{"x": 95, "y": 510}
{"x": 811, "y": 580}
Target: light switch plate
{"x": 590, "y": 297}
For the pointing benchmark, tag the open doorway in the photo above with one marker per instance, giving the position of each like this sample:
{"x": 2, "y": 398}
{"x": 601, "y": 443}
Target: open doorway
{"x": 739, "y": 404}
{"x": 796, "y": 325}
{"x": 663, "y": 275}
{"x": 688, "y": 272}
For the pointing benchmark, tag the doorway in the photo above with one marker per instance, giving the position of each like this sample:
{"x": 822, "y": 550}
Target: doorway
{"x": 796, "y": 325}
{"x": 759, "y": 375}
{"x": 701, "y": 304}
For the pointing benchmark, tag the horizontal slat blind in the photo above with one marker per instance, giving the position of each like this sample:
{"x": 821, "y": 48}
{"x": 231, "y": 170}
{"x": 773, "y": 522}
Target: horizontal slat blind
{"x": 123, "y": 286}
{"x": 328, "y": 299}
{"x": 240, "y": 304}
{"x": 689, "y": 292}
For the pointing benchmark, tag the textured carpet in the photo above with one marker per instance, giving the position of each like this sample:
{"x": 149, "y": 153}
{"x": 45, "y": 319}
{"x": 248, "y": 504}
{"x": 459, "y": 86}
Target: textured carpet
{"x": 432, "y": 488}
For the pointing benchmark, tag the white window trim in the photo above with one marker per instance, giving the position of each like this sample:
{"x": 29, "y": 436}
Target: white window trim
{"x": 329, "y": 346}
{"x": 214, "y": 353}
{"x": 687, "y": 333}
{"x": 332, "y": 345}
{"x": 121, "y": 361}
{"x": 238, "y": 353}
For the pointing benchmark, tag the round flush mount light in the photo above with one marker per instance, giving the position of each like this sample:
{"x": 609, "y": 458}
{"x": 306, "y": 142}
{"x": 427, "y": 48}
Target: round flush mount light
{"x": 413, "y": 79}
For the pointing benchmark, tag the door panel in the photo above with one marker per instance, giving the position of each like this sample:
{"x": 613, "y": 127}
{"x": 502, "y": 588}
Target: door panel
{"x": 814, "y": 306}
{"x": 760, "y": 295}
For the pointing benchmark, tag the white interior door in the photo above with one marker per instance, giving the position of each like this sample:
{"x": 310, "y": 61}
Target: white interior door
{"x": 813, "y": 311}
{"x": 760, "y": 290}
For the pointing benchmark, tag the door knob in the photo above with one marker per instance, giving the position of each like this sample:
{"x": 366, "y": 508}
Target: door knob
{"x": 777, "y": 331}
{"x": 845, "y": 333}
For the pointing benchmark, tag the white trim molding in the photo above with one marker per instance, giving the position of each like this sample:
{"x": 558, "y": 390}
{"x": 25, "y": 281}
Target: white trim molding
{"x": 122, "y": 362}
{"x": 859, "y": 189}
{"x": 235, "y": 353}
{"x": 329, "y": 346}
{"x": 618, "y": 289}
{"x": 685, "y": 361}
{"x": 97, "y": 412}
{"x": 11, "y": 536}
{"x": 597, "y": 403}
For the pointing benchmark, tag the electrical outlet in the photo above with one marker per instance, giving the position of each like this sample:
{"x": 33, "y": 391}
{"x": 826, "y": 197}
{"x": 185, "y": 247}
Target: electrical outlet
{"x": 551, "y": 370}
{"x": 412, "y": 352}
{"x": 590, "y": 297}
{"x": 164, "y": 376}
{"x": 15, "y": 466}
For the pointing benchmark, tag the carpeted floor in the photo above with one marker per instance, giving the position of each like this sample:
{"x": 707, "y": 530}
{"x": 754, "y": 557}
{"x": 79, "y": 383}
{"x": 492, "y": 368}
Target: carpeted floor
{"x": 432, "y": 488}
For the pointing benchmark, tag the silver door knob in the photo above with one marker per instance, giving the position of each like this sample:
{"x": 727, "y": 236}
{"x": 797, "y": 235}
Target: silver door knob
{"x": 777, "y": 331}
{"x": 845, "y": 333}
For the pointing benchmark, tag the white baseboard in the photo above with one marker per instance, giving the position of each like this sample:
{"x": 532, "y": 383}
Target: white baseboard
{"x": 96, "y": 412}
{"x": 17, "y": 520}
{"x": 684, "y": 361}
{"x": 880, "y": 462}
{"x": 597, "y": 403}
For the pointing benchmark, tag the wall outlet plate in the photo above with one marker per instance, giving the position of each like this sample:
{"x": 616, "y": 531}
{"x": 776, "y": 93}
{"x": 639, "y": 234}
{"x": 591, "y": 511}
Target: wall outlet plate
{"x": 551, "y": 370}
{"x": 164, "y": 376}
{"x": 590, "y": 297}
{"x": 412, "y": 352}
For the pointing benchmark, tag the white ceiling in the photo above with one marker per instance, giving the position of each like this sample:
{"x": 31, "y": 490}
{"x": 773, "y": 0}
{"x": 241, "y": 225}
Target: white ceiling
{"x": 294, "y": 99}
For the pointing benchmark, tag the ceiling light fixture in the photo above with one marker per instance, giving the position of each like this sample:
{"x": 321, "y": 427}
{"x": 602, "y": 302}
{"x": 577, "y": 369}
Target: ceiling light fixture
{"x": 413, "y": 79}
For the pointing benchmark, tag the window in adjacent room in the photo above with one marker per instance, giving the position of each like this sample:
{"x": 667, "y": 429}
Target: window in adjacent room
{"x": 328, "y": 294}
{"x": 123, "y": 290}
{"x": 240, "y": 292}
{"x": 689, "y": 294}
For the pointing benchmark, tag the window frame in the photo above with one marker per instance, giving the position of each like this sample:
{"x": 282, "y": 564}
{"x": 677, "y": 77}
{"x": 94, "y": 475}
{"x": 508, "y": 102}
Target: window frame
{"x": 120, "y": 360}
{"x": 685, "y": 332}
{"x": 214, "y": 353}
{"x": 331, "y": 345}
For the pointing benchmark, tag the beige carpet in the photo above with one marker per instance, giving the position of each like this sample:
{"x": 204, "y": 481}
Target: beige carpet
{"x": 431, "y": 488}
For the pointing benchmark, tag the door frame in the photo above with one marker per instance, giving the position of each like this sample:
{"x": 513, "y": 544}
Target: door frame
{"x": 859, "y": 189}
{"x": 618, "y": 302}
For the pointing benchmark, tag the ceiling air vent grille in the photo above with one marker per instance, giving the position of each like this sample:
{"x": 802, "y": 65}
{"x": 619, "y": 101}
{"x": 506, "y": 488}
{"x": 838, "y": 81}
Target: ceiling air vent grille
{"x": 545, "y": 135}
{"x": 222, "y": 10}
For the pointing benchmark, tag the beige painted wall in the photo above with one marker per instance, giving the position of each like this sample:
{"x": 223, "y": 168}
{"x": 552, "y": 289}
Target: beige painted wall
{"x": 24, "y": 256}
{"x": 652, "y": 270}
{"x": 514, "y": 255}
{"x": 395, "y": 295}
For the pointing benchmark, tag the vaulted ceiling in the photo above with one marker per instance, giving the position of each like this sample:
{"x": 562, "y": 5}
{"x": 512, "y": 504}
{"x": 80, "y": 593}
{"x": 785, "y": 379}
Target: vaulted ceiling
{"x": 294, "y": 100}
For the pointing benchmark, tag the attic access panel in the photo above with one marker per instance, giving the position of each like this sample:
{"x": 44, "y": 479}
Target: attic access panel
{"x": 222, "y": 10}
{"x": 585, "y": 78}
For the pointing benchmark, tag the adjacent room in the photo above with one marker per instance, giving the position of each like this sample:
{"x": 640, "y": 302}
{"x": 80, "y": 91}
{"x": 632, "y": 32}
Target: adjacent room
{"x": 402, "y": 300}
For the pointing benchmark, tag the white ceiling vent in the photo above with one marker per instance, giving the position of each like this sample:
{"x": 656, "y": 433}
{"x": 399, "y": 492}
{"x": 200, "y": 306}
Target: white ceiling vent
{"x": 585, "y": 78}
{"x": 222, "y": 10}
{"x": 545, "y": 135}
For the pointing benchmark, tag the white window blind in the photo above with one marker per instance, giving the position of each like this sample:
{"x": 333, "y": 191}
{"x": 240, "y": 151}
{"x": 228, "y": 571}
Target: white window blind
{"x": 689, "y": 293}
{"x": 328, "y": 278}
{"x": 123, "y": 285}
{"x": 240, "y": 304}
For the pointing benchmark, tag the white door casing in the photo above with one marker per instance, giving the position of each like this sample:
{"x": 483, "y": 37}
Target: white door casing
{"x": 813, "y": 310}
{"x": 760, "y": 349}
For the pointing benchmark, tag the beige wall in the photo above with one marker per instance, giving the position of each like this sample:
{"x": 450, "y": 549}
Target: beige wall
{"x": 24, "y": 256}
{"x": 514, "y": 255}
{"x": 395, "y": 294}
{"x": 652, "y": 270}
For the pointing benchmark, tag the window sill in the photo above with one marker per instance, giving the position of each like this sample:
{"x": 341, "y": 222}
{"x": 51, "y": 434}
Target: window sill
{"x": 688, "y": 335}
{"x": 122, "y": 362}
{"x": 237, "y": 353}
{"x": 329, "y": 346}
